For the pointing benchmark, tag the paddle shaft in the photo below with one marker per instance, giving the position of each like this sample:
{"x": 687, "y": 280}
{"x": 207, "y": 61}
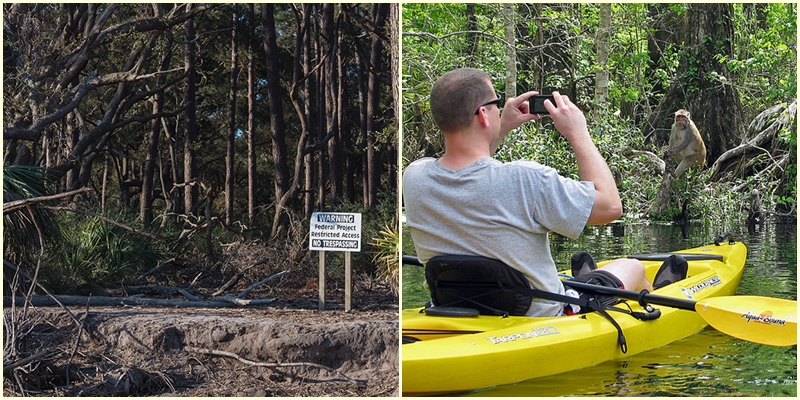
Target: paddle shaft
{"x": 631, "y": 295}
{"x": 411, "y": 260}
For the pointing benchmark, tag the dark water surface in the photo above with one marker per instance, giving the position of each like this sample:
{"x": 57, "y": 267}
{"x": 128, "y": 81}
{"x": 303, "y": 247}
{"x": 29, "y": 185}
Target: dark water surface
{"x": 706, "y": 364}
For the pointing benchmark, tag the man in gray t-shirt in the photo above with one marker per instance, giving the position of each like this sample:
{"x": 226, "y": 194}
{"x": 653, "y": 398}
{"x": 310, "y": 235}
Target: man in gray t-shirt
{"x": 470, "y": 204}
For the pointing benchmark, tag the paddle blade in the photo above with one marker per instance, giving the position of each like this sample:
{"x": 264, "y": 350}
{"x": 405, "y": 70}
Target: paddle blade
{"x": 756, "y": 319}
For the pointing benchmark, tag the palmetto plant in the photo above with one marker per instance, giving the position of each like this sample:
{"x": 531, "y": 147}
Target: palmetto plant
{"x": 64, "y": 251}
{"x": 387, "y": 246}
{"x": 94, "y": 253}
{"x": 26, "y": 230}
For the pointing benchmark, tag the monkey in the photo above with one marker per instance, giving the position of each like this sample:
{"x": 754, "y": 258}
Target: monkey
{"x": 685, "y": 143}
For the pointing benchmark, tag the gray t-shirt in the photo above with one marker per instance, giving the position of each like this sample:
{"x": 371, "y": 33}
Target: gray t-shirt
{"x": 497, "y": 210}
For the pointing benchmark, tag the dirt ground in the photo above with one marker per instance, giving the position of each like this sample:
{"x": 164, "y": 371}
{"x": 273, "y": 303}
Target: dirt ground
{"x": 286, "y": 348}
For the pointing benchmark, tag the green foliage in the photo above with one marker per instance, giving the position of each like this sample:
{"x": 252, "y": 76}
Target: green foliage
{"x": 785, "y": 197}
{"x": 387, "y": 245}
{"x": 23, "y": 230}
{"x": 765, "y": 65}
{"x": 96, "y": 254}
{"x": 25, "y": 182}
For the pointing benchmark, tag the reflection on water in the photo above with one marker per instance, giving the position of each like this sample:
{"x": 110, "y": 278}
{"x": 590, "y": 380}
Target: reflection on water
{"x": 706, "y": 364}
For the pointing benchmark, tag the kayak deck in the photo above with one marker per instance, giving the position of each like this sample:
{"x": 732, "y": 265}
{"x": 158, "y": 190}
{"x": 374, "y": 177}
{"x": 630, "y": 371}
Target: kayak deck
{"x": 453, "y": 354}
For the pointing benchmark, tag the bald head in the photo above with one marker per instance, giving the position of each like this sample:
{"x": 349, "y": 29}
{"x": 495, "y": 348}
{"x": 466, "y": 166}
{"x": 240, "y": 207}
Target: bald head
{"x": 456, "y": 95}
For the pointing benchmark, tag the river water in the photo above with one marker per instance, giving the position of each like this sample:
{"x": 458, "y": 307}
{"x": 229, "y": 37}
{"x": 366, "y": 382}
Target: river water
{"x": 706, "y": 364}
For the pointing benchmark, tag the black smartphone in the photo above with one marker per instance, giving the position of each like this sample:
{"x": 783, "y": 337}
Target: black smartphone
{"x": 536, "y": 103}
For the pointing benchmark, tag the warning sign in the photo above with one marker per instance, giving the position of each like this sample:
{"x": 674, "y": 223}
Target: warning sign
{"x": 335, "y": 232}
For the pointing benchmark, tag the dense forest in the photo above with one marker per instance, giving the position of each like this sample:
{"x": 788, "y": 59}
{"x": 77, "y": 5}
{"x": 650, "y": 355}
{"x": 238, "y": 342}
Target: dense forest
{"x": 163, "y": 133}
{"x": 630, "y": 67}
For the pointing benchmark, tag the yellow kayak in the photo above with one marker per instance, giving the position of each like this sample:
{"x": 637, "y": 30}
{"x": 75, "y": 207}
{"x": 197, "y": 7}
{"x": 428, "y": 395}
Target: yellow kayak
{"x": 446, "y": 354}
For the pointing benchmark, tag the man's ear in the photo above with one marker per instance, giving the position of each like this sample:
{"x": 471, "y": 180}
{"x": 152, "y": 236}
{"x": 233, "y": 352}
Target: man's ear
{"x": 483, "y": 117}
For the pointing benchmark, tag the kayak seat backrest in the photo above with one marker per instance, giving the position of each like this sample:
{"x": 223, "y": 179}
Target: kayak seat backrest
{"x": 476, "y": 282}
{"x": 695, "y": 268}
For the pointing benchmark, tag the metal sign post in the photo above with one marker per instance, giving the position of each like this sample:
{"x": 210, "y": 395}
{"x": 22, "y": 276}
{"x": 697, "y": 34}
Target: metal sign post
{"x": 335, "y": 232}
{"x": 322, "y": 280}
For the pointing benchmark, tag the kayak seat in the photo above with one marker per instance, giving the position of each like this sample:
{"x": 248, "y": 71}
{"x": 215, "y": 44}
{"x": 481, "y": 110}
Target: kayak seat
{"x": 674, "y": 268}
{"x": 476, "y": 282}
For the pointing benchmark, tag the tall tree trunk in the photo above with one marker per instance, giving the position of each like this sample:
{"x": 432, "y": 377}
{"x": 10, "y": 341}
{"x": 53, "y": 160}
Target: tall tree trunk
{"x": 344, "y": 127}
{"x": 302, "y": 67}
{"x": 335, "y": 78}
{"x": 73, "y": 135}
{"x": 602, "y": 44}
{"x": 104, "y": 186}
{"x": 251, "y": 126}
{"x": 299, "y": 94}
{"x": 277, "y": 124}
{"x": 511, "y": 50}
{"x": 324, "y": 46}
{"x": 78, "y": 19}
{"x": 350, "y": 173}
{"x": 175, "y": 195}
{"x": 362, "y": 73}
{"x": 146, "y": 203}
{"x": 229, "y": 157}
{"x": 538, "y": 45}
{"x": 394, "y": 60}
{"x": 190, "y": 117}
{"x": 473, "y": 38}
{"x": 380, "y": 13}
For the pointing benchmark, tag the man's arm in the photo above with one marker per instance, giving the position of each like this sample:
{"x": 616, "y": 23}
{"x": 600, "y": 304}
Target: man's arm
{"x": 571, "y": 123}
{"x": 515, "y": 113}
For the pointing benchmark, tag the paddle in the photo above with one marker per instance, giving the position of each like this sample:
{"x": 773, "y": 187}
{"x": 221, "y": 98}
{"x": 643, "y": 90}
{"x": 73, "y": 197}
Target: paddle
{"x": 764, "y": 320}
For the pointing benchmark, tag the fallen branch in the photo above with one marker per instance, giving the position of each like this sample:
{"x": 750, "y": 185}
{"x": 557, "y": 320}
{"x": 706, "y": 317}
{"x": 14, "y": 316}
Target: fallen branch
{"x": 157, "y": 267}
{"x": 241, "y": 302}
{"x": 236, "y": 278}
{"x": 143, "y": 291}
{"x": 259, "y": 283}
{"x": 25, "y": 361}
{"x": 268, "y": 364}
{"x": 195, "y": 279}
{"x": 12, "y": 206}
{"x": 764, "y": 136}
{"x": 188, "y": 295}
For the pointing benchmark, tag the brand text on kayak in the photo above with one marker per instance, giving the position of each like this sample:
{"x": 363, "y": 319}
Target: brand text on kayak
{"x": 535, "y": 332}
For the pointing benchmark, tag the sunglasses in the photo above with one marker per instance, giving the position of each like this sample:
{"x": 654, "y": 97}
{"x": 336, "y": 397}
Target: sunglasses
{"x": 498, "y": 101}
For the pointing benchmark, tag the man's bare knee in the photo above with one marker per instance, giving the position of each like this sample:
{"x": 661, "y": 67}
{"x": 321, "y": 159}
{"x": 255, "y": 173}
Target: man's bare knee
{"x": 631, "y": 272}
